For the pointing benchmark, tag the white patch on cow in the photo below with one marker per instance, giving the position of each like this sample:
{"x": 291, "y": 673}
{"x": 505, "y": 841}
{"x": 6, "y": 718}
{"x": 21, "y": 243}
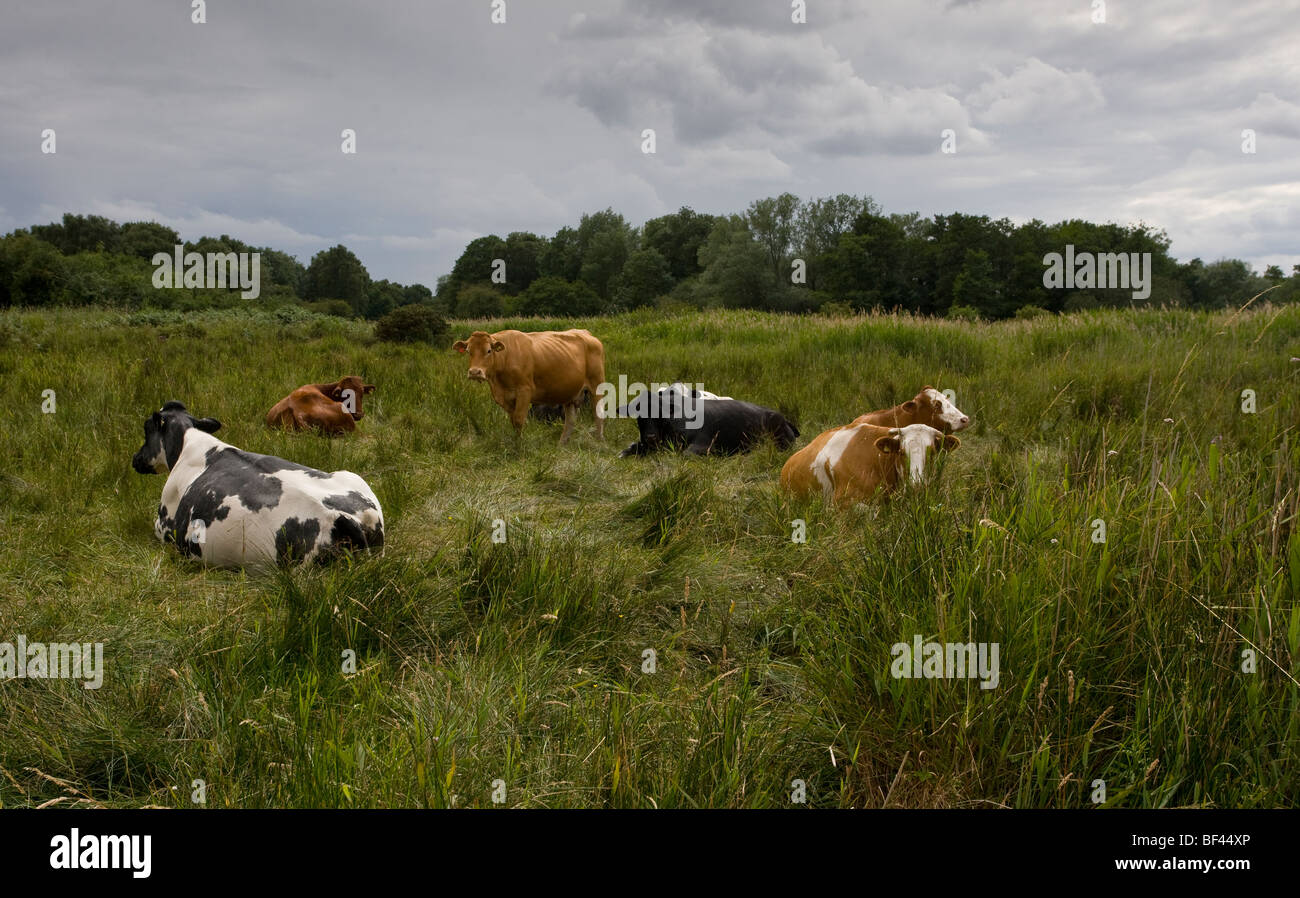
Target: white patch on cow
{"x": 159, "y": 461}
{"x": 246, "y": 537}
{"x": 917, "y": 441}
{"x": 949, "y": 414}
{"x": 685, "y": 392}
{"x": 828, "y": 459}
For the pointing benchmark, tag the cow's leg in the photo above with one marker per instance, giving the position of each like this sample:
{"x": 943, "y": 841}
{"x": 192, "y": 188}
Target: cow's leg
{"x": 600, "y": 417}
{"x": 570, "y": 416}
{"x": 519, "y": 413}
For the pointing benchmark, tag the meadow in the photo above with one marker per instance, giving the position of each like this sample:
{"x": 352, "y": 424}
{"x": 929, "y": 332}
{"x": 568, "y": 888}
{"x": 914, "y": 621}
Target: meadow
{"x": 518, "y": 670}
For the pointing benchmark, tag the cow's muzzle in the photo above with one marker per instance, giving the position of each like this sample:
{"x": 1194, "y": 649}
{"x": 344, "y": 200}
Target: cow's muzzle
{"x": 477, "y": 374}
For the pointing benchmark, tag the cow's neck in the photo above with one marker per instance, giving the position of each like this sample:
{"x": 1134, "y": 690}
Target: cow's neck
{"x": 190, "y": 464}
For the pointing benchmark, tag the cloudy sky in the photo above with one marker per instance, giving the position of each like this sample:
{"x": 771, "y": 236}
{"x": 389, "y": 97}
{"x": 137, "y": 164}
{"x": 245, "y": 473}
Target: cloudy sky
{"x": 465, "y": 127}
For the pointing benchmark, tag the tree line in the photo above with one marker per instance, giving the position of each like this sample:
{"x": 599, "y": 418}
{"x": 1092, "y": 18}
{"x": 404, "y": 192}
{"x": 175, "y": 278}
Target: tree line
{"x": 830, "y": 254}
{"x": 92, "y": 260}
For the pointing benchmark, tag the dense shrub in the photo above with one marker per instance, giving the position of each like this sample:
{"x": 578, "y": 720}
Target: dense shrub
{"x": 836, "y": 309}
{"x": 411, "y": 324}
{"x": 556, "y": 296}
{"x": 479, "y": 301}
{"x": 1031, "y": 312}
{"x": 340, "y": 308}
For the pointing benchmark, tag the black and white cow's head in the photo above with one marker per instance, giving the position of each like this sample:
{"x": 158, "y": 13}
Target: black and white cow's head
{"x": 164, "y": 437}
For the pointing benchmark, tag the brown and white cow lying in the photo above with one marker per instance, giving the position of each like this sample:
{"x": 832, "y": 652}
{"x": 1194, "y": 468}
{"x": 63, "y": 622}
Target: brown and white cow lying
{"x": 929, "y": 407}
{"x": 849, "y": 464}
{"x": 329, "y": 408}
{"x": 545, "y": 368}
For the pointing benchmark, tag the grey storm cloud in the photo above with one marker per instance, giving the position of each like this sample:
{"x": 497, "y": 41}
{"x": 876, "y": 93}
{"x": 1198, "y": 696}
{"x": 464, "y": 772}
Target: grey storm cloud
{"x": 466, "y": 128}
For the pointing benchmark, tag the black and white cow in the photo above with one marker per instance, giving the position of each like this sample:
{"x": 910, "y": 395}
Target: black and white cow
{"x": 702, "y": 423}
{"x": 233, "y": 508}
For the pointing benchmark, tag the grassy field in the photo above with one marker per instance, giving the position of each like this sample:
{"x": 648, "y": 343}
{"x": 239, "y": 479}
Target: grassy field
{"x": 518, "y": 667}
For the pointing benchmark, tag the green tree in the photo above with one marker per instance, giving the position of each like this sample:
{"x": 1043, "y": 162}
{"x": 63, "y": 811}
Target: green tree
{"x": 975, "y": 286}
{"x": 678, "y": 237}
{"x": 644, "y": 277}
{"x": 32, "y": 271}
{"x": 336, "y": 273}
{"x": 381, "y": 298}
{"x": 556, "y": 296}
{"x": 736, "y": 274}
{"x": 80, "y": 233}
{"x": 417, "y": 294}
{"x": 819, "y": 225}
{"x": 562, "y": 257}
{"x": 523, "y": 253}
{"x": 143, "y": 239}
{"x": 773, "y": 223}
{"x": 282, "y": 269}
{"x": 479, "y": 301}
{"x": 604, "y": 240}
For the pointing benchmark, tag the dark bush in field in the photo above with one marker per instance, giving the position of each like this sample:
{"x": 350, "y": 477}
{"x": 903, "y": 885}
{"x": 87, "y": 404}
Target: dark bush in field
{"x": 411, "y": 324}
{"x": 339, "y": 308}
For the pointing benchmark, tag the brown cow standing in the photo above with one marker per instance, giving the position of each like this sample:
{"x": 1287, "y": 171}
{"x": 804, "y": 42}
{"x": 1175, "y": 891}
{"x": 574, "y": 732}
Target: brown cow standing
{"x": 330, "y": 408}
{"x": 930, "y": 407}
{"x": 849, "y": 464}
{"x": 546, "y": 368}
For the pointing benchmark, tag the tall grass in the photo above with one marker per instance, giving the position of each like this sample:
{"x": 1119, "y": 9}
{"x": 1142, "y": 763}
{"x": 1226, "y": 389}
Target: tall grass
{"x": 522, "y": 664}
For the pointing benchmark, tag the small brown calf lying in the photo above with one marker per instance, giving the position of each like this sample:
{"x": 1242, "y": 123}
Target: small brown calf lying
{"x": 329, "y": 408}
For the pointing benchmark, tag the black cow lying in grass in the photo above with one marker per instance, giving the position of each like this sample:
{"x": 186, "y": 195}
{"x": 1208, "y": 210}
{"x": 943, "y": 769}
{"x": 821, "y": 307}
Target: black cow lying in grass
{"x": 702, "y": 423}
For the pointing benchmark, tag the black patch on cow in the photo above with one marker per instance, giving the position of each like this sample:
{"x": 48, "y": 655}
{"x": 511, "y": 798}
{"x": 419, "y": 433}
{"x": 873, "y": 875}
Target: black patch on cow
{"x": 295, "y": 539}
{"x": 164, "y": 433}
{"x": 244, "y": 476}
{"x": 351, "y": 503}
{"x": 348, "y": 533}
{"x": 726, "y": 426}
{"x": 265, "y": 464}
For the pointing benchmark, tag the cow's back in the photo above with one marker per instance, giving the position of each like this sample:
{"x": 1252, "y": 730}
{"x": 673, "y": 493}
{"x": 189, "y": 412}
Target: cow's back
{"x": 556, "y": 364}
{"x": 307, "y": 408}
{"x": 843, "y": 464}
{"x": 797, "y": 473}
{"x": 258, "y": 509}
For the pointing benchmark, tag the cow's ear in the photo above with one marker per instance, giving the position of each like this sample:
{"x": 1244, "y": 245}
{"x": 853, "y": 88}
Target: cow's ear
{"x": 950, "y": 443}
{"x": 460, "y": 346}
{"x": 910, "y": 405}
{"x": 927, "y": 387}
{"x": 888, "y": 444}
{"x": 498, "y": 346}
{"x": 367, "y": 389}
{"x": 207, "y": 425}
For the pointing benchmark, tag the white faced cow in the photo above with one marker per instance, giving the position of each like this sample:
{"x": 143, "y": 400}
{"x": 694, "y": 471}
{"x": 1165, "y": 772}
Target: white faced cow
{"x": 849, "y": 464}
{"x": 233, "y": 508}
{"x": 928, "y": 407}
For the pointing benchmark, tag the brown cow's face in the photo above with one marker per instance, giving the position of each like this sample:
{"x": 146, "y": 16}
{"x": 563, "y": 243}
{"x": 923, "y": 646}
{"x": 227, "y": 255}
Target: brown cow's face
{"x": 932, "y": 408}
{"x": 482, "y": 351}
{"x": 349, "y": 391}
